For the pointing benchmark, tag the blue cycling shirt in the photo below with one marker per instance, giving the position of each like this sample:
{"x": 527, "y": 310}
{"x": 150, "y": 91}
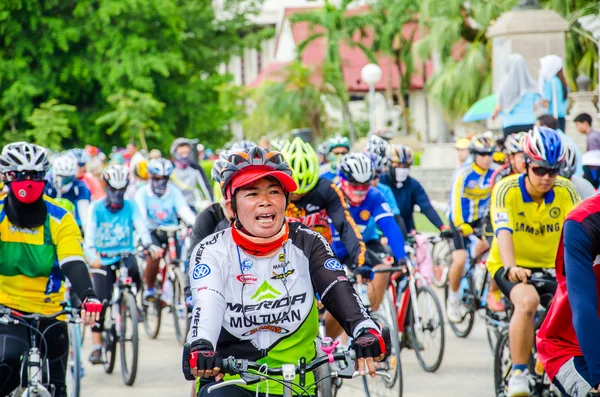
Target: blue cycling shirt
{"x": 113, "y": 232}
{"x": 78, "y": 191}
{"x": 373, "y": 207}
{"x": 163, "y": 210}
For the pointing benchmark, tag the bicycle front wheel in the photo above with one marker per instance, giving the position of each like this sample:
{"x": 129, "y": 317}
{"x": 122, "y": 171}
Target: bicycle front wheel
{"x": 128, "y": 338}
{"x": 502, "y": 364}
{"x": 392, "y": 384}
{"x": 463, "y": 328}
{"x": 178, "y": 307}
{"x": 109, "y": 340}
{"x": 152, "y": 313}
{"x": 428, "y": 332}
{"x": 74, "y": 368}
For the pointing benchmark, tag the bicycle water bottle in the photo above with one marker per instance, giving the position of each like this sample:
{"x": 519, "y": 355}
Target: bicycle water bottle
{"x": 363, "y": 294}
{"x": 167, "y": 292}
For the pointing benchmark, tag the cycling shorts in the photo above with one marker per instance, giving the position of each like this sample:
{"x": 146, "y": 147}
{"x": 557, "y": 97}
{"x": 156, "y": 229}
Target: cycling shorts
{"x": 546, "y": 291}
{"x": 462, "y": 242}
{"x": 160, "y": 238}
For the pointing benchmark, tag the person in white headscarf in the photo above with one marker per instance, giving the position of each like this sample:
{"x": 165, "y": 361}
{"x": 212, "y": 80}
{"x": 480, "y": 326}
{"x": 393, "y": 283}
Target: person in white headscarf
{"x": 517, "y": 97}
{"x": 553, "y": 87}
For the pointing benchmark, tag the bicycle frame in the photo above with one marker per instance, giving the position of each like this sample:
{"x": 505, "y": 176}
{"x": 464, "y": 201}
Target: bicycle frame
{"x": 37, "y": 366}
{"x": 408, "y": 295}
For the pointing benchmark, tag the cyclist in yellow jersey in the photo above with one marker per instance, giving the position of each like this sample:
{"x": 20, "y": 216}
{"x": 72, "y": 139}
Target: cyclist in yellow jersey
{"x": 40, "y": 244}
{"x": 527, "y": 213}
{"x": 469, "y": 203}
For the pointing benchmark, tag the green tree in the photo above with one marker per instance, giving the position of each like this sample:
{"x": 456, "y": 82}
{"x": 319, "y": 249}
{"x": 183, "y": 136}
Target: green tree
{"x": 84, "y": 51}
{"x": 390, "y": 18}
{"x": 295, "y": 101}
{"x": 50, "y": 124}
{"x": 336, "y": 27}
{"x": 133, "y": 114}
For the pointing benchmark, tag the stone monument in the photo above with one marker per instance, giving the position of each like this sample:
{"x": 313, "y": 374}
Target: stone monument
{"x": 530, "y": 31}
{"x": 582, "y": 101}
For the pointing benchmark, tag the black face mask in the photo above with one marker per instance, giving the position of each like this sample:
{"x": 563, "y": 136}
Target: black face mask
{"x": 115, "y": 199}
{"x": 158, "y": 186}
{"x": 24, "y": 215}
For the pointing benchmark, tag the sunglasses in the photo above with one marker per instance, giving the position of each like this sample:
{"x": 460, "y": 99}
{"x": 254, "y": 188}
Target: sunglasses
{"x": 486, "y": 154}
{"x": 18, "y": 176}
{"x": 542, "y": 171}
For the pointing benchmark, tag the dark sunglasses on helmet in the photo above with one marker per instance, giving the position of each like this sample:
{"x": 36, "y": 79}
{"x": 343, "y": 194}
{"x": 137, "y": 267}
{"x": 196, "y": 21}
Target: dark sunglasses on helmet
{"x": 542, "y": 171}
{"x": 17, "y": 176}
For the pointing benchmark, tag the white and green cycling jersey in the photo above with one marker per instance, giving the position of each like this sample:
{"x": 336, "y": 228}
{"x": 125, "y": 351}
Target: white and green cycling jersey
{"x": 263, "y": 308}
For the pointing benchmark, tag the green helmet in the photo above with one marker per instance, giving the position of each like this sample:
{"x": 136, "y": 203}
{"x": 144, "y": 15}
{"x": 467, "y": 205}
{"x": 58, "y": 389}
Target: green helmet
{"x": 304, "y": 164}
{"x": 339, "y": 141}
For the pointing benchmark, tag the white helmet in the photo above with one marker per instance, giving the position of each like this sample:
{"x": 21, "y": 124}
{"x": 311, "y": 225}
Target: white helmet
{"x": 513, "y": 142}
{"x": 116, "y": 176}
{"x": 23, "y": 156}
{"x": 357, "y": 168}
{"x": 379, "y": 148}
{"x": 160, "y": 167}
{"x": 570, "y": 165}
{"x": 65, "y": 165}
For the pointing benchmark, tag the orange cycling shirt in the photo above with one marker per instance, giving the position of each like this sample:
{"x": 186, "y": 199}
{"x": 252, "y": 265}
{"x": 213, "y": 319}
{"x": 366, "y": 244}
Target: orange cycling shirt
{"x": 94, "y": 185}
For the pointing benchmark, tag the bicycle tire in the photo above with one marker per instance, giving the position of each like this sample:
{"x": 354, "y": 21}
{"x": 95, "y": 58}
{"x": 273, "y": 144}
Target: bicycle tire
{"x": 502, "y": 364}
{"x": 439, "y": 326}
{"x": 441, "y": 263}
{"x": 152, "y": 314}
{"x": 109, "y": 340}
{"x": 394, "y": 362}
{"x": 128, "y": 309}
{"x": 73, "y": 376}
{"x": 469, "y": 315}
{"x": 179, "y": 308}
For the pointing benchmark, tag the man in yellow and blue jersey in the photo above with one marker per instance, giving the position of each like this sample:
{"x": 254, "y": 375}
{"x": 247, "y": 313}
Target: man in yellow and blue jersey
{"x": 469, "y": 204}
{"x": 528, "y": 212}
{"x": 40, "y": 245}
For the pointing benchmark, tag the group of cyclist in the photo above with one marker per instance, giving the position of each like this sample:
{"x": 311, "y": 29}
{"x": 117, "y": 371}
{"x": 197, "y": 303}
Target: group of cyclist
{"x": 274, "y": 246}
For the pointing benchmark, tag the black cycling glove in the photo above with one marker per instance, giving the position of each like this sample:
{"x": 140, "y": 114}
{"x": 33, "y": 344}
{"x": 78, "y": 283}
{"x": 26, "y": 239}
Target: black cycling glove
{"x": 206, "y": 358}
{"x": 369, "y": 343}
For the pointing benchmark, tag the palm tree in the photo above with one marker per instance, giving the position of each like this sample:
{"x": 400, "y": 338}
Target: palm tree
{"x": 458, "y": 83}
{"x": 391, "y": 17}
{"x": 336, "y": 27}
{"x": 294, "y": 102}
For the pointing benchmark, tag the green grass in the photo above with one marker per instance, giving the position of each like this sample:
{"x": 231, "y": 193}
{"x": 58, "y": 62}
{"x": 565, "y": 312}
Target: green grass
{"x": 422, "y": 224}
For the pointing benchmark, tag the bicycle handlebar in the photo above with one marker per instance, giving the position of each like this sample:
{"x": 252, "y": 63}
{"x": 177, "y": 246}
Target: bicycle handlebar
{"x": 6, "y": 313}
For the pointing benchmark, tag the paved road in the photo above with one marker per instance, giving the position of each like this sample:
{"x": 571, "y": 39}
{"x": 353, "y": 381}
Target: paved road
{"x": 466, "y": 370}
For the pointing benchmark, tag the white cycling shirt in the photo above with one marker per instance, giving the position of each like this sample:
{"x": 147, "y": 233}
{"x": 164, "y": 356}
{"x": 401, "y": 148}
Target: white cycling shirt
{"x": 264, "y": 308}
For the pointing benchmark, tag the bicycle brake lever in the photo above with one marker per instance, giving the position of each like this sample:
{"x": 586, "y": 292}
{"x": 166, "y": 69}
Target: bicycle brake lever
{"x": 348, "y": 371}
{"x": 226, "y": 383}
{"x": 377, "y": 373}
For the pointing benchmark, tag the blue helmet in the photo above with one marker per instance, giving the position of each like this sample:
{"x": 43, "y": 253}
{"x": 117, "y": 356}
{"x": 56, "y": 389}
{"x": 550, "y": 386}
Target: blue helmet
{"x": 544, "y": 147}
{"x": 160, "y": 167}
{"x": 338, "y": 141}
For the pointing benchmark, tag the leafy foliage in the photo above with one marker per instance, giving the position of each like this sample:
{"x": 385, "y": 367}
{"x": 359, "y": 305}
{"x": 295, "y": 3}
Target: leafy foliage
{"x": 83, "y": 52}
{"x": 337, "y": 27}
{"x": 50, "y": 124}
{"x": 295, "y": 102}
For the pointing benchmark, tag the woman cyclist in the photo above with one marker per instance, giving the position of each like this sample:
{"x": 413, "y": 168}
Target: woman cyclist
{"x": 254, "y": 284}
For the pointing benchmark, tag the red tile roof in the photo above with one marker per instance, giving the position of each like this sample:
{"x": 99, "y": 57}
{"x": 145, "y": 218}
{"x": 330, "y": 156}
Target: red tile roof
{"x": 353, "y": 59}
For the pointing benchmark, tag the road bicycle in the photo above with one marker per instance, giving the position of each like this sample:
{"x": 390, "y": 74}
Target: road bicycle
{"x": 293, "y": 375}
{"x": 418, "y": 314}
{"x": 121, "y": 322}
{"x": 441, "y": 253}
{"x": 169, "y": 290}
{"x": 542, "y": 386}
{"x": 75, "y": 327}
{"x": 474, "y": 286}
{"x": 35, "y": 368}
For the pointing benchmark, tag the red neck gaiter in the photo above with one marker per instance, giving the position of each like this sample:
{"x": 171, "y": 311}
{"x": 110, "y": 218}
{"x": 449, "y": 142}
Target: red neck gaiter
{"x": 260, "y": 246}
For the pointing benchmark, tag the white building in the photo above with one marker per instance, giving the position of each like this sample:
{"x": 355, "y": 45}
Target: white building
{"x": 253, "y": 67}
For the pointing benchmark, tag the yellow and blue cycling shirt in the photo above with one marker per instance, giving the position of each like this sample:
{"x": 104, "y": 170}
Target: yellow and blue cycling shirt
{"x": 470, "y": 196}
{"x": 30, "y": 259}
